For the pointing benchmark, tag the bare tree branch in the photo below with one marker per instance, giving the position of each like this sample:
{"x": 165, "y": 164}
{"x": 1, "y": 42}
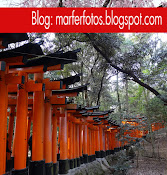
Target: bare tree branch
{"x": 125, "y": 71}
{"x": 106, "y": 3}
{"x": 60, "y": 3}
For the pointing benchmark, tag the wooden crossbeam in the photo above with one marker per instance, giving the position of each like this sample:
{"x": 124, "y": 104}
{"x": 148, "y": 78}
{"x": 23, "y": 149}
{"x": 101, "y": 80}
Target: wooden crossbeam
{"x": 36, "y": 69}
{"x": 12, "y": 79}
{"x": 31, "y": 86}
{"x": 54, "y": 100}
{"x": 13, "y": 60}
{"x": 52, "y": 85}
{"x": 72, "y": 94}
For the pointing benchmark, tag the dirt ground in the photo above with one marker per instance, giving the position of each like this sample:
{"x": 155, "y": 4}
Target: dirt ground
{"x": 147, "y": 163}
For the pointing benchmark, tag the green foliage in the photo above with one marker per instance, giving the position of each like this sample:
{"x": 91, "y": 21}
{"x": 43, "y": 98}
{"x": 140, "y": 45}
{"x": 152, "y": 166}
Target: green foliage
{"x": 157, "y": 110}
{"x": 122, "y": 165}
{"x": 138, "y": 95}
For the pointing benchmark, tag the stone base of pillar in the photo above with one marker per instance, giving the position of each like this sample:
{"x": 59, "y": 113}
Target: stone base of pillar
{"x": 71, "y": 163}
{"x": 112, "y": 151}
{"x": 94, "y": 157}
{"x": 28, "y": 161}
{"x": 116, "y": 149}
{"x": 20, "y": 172}
{"x": 107, "y": 152}
{"x": 49, "y": 168}
{"x": 56, "y": 168}
{"x": 103, "y": 153}
{"x": 9, "y": 165}
{"x": 85, "y": 158}
{"x": 12, "y": 162}
{"x": 58, "y": 157}
{"x": 63, "y": 166}
{"x": 78, "y": 162}
{"x": 89, "y": 159}
{"x": 98, "y": 154}
{"x": 37, "y": 167}
{"x": 81, "y": 158}
{"x": 75, "y": 162}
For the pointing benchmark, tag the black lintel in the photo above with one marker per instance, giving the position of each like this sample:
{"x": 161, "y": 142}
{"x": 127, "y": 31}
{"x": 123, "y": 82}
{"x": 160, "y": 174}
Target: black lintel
{"x": 8, "y": 38}
{"x": 97, "y": 113}
{"x": 82, "y": 112}
{"x": 103, "y": 118}
{"x": 71, "y": 90}
{"x": 50, "y": 59}
{"x": 27, "y": 50}
{"x": 91, "y": 108}
{"x": 70, "y": 80}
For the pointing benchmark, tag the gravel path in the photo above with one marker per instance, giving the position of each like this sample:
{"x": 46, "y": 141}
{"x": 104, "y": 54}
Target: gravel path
{"x": 149, "y": 165}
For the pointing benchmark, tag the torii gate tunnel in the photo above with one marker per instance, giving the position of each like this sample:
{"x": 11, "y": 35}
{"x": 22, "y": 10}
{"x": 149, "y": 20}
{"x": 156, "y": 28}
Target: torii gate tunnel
{"x": 63, "y": 135}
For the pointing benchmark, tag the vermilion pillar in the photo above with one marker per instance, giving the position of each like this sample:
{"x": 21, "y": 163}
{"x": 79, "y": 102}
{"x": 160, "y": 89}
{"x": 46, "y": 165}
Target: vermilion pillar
{"x": 71, "y": 145}
{"x": 91, "y": 142}
{"x": 63, "y": 162}
{"x": 88, "y": 142}
{"x": 105, "y": 134}
{"x": 102, "y": 142}
{"x": 90, "y": 145}
{"x": 110, "y": 142}
{"x": 37, "y": 165}
{"x": 93, "y": 156}
{"x": 3, "y": 117}
{"x": 21, "y": 129}
{"x": 74, "y": 145}
{"x": 94, "y": 141}
{"x": 113, "y": 143}
{"x": 97, "y": 143}
{"x": 29, "y": 126}
{"x": 48, "y": 134}
{"x": 71, "y": 139}
{"x": 80, "y": 142}
{"x": 94, "y": 146}
{"x": 85, "y": 144}
{"x": 54, "y": 143}
{"x": 68, "y": 138}
{"x": 77, "y": 145}
{"x": 106, "y": 143}
{"x": 54, "y": 138}
{"x": 10, "y": 159}
{"x": 101, "y": 138}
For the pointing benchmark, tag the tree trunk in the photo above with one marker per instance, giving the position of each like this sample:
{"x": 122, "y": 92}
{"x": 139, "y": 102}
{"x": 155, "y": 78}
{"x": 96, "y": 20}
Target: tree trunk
{"x": 126, "y": 96}
{"x": 106, "y": 3}
{"x": 150, "y": 124}
{"x": 118, "y": 96}
{"x": 83, "y": 98}
{"x": 101, "y": 87}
